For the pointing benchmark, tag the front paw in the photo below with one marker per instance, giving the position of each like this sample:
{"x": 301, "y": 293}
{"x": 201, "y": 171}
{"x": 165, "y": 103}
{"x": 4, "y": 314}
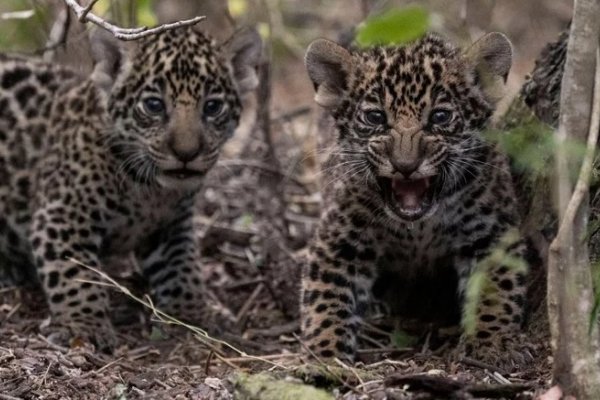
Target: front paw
{"x": 207, "y": 314}
{"x": 508, "y": 352}
{"x": 328, "y": 346}
{"x": 76, "y": 332}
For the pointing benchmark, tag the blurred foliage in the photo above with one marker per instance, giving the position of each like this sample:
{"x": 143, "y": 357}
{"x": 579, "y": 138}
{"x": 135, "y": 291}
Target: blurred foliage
{"x": 403, "y": 340}
{"x": 530, "y": 145}
{"x": 596, "y": 308}
{"x": 395, "y": 26}
{"x": 23, "y": 25}
{"x": 238, "y": 8}
{"x": 479, "y": 283}
{"x": 127, "y": 12}
{"x": 145, "y": 13}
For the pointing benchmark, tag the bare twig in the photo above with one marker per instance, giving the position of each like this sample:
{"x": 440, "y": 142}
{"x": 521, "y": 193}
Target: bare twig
{"x": 242, "y": 315}
{"x": 99, "y": 370}
{"x": 25, "y": 14}
{"x": 273, "y": 169}
{"x": 291, "y": 115}
{"x": 165, "y": 318}
{"x": 9, "y": 397}
{"x": 8, "y": 289}
{"x": 58, "y": 34}
{"x": 478, "y": 364}
{"x": 12, "y": 312}
{"x": 274, "y": 331}
{"x": 266, "y": 357}
{"x": 585, "y": 174}
{"x": 84, "y": 15}
{"x": 446, "y": 387}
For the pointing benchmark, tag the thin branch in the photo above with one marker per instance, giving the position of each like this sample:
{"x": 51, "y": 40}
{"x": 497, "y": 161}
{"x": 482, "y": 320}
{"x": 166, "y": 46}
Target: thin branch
{"x": 84, "y": 15}
{"x": 58, "y": 34}
{"x": 583, "y": 182}
{"x": 165, "y": 318}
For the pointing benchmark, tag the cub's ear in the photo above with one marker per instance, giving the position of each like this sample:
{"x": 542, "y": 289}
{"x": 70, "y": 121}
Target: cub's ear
{"x": 109, "y": 56}
{"x": 328, "y": 65}
{"x": 490, "y": 58}
{"x": 244, "y": 50}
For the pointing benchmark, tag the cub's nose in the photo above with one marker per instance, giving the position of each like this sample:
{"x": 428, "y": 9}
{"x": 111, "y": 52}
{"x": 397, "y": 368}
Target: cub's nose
{"x": 185, "y": 155}
{"x": 406, "y": 167}
{"x": 185, "y": 147}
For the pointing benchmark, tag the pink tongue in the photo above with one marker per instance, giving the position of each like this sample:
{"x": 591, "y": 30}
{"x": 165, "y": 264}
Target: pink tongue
{"x": 409, "y": 193}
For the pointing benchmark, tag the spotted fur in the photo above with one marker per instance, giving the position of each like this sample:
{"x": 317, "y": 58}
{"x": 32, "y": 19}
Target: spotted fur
{"x": 112, "y": 163}
{"x": 417, "y": 202}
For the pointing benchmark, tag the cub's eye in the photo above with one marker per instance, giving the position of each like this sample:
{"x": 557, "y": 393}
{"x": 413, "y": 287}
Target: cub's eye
{"x": 440, "y": 117}
{"x": 153, "y": 105}
{"x": 375, "y": 117}
{"x": 213, "y": 107}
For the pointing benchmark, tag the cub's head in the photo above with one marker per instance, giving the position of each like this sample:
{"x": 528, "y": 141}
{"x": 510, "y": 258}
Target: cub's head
{"x": 173, "y": 100}
{"x": 409, "y": 118}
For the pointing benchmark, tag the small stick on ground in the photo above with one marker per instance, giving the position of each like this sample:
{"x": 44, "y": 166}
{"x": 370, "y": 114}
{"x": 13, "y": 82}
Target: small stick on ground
{"x": 242, "y": 314}
{"x": 478, "y": 364}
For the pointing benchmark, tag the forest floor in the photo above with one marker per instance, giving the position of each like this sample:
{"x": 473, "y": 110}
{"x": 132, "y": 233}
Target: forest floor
{"x": 255, "y": 218}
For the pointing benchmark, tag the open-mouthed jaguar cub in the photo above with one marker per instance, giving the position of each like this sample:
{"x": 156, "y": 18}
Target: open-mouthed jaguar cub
{"x": 105, "y": 165}
{"x": 419, "y": 203}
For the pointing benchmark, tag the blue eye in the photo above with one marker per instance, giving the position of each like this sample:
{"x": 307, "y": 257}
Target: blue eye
{"x": 440, "y": 117}
{"x": 375, "y": 117}
{"x": 213, "y": 107}
{"x": 153, "y": 105}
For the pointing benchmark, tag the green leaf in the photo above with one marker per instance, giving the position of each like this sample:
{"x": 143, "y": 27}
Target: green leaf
{"x": 157, "y": 334}
{"x": 595, "y": 266}
{"x": 402, "y": 339}
{"x": 396, "y": 26}
{"x": 245, "y": 220}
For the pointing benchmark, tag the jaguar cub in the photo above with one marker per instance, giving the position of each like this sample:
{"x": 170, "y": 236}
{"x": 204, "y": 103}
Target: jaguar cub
{"x": 419, "y": 203}
{"x": 112, "y": 163}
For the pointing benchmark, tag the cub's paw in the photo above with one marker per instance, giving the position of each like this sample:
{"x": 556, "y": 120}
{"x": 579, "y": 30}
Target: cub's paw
{"x": 326, "y": 349}
{"x": 508, "y": 352}
{"x": 207, "y": 314}
{"x": 217, "y": 318}
{"x": 76, "y": 333}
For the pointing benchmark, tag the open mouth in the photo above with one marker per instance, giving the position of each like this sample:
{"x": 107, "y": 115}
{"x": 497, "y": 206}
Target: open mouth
{"x": 410, "y": 199}
{"x": 183, "y": 173}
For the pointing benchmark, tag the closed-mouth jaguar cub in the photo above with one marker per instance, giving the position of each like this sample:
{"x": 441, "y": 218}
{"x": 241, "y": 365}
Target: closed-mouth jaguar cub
{"x": 105, "y": 165}
{"x": 419, "y": 200}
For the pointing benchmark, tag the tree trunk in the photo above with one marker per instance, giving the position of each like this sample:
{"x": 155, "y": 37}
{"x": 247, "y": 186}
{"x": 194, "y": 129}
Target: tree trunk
{"x": 575, "y": 343}
{"x": 549, "y": 100}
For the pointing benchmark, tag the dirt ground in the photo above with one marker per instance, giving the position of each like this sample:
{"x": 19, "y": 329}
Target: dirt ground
{"x": 254, "y": 219}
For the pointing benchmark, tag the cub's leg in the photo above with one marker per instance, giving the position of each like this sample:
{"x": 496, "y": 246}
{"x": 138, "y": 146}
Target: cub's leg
{"x": 74, "y": 301}
{"x": 170, "y": 261}
{"x": 336, "y": 282}
{"x": 494, "y": 306}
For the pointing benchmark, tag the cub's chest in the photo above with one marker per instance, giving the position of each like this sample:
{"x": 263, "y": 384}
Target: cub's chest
{"x": 417, "y": 245}
{"x": 135, "y": 219}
